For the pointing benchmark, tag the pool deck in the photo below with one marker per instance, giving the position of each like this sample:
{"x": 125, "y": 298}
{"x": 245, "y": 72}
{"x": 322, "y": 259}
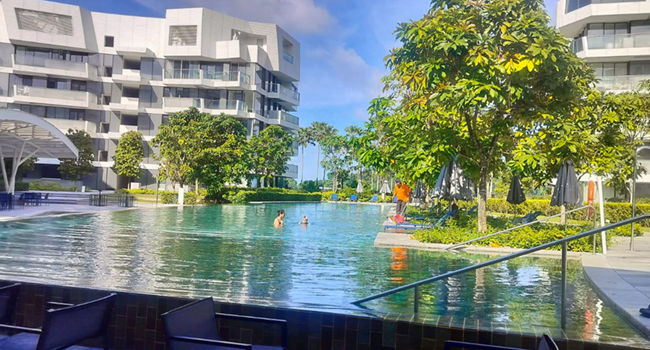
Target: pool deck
{"x": 65, "y": 209}
{"x": 622, "y": 278}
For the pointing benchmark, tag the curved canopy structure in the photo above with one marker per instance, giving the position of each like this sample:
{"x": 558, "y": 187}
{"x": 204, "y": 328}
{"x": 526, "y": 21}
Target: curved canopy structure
{"x": 24, "y": 135}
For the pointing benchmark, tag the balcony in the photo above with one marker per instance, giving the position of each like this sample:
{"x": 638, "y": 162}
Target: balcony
{"x": 284, "y": 94}
{"x": 127, "y": 128}
{"x": 574, "y": 15}
{"x": 39, "y": 66}
{"x": 130, "y": 77}
{"x": 200, "y": 78}
{"x": 54, "y": 97}
{"x": 232, "y": 50}
{"x": 127, "y": 105}
{"x": 229, "y": 107}
{"x": 287, "y": 57}
{"x": 292, "y": 171}
{"x": 65, "y": 124}
{"x": 612, "y": 45}
{"x": 621, "y": 83}
{"x": 283, "y": 119}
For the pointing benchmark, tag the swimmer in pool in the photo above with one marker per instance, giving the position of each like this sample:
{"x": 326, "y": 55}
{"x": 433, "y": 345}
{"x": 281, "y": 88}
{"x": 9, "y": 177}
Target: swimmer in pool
{"x": 304, "y": 221}
{"x": 279, "y": 222}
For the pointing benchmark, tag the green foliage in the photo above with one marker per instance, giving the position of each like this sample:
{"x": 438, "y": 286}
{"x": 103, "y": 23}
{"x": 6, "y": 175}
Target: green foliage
{"x": 46, "y": 186}
{"x": 19, "y": 186}
{"x": 320, "y": 132}
{"x": 271, "y": 151}
{"x": 269, "y": 194}
{"x": 464, "y": 229}
{"x": 291, "y": 184}
{"x": 128, "y": 155}
{"x": 304, "y": 137}
{"x": 168, "y": 197}
{"x": 310, "y": 186}
{"x": 336, "y": 157}
{"x": 74, "y": 169}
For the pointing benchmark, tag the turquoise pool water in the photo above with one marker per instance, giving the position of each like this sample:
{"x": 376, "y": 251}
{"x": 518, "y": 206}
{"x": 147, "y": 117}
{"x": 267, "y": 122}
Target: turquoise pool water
{"x": 234, "y": 253}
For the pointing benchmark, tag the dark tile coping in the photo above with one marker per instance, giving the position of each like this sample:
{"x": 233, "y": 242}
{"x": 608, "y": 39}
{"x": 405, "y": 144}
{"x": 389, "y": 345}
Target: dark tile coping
{"x": 136, "y": 324}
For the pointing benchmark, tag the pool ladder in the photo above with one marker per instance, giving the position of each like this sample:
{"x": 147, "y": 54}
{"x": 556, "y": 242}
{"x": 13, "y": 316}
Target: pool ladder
{"x": 563, "y": 241}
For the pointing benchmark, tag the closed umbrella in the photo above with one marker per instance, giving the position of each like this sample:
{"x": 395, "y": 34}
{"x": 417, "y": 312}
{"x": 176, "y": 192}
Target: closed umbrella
{"x": 460, "y": 187}
{"x": 359, "y": 187}
{"x": 566, "y": 189}
{"x": 516, "y": 193}
{"x": 440, "y": 189}
{"x": 384, "y": 189}
{"x": 418, "y": 191}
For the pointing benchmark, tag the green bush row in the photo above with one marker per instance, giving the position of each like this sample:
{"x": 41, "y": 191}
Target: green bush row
{"x": 464, "y": 228}
{"x": 344, "y": 195}
{"x": 40, "y": 186}
{"x": 269, "y": 195}
{"x": 169, "y": 197}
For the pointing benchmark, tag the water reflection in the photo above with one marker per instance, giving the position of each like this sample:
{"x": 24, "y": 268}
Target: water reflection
{"x": 234, "y": 253}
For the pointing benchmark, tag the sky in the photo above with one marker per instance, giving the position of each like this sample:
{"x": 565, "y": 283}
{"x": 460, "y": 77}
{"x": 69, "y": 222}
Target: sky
{"x": 343, "y": 44}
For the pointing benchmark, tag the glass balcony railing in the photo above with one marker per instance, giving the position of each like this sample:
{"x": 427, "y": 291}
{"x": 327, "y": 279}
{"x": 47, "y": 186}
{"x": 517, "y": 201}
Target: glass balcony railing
{"x": 50, "y": 63}
{"x": 57, "y": 94}
{"x": 619, "y": 41}
{"x": 201, "y": 74}
{"x": 201, "y": 103}
{"x": 284, "y": 91}
{"x": 291, "y": 169}
{"x": 620, "y": 82}
{"x": 281, "y": 115}
{"x": 225, "y": 105}
{"x": 182, "y": 102}
{"x": 287, "y": 57}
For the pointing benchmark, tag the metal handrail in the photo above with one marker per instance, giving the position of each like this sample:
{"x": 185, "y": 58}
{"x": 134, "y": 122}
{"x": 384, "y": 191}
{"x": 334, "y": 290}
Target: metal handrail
{"x": 518, "y": 227}
{"x": 562, "y": 241}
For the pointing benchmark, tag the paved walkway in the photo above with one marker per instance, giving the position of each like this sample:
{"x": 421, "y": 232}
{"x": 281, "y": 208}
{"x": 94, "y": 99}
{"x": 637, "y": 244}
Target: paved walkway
{"x": 64, "y": 209}
{"x": 622, "y": 278}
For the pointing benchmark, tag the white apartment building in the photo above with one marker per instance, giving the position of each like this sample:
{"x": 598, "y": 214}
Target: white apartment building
{"x": 108, "y": 74}
{"x": 613, "y": 37}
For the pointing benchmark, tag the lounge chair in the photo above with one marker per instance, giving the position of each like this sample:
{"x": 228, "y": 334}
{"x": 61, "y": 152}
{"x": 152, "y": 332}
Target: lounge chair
{"x": 65, "y": 327}
{"x": 374, "y": 199}
{"x": 472, "y": 210}
{"x": 335, "y": 197}
{"x": 546, "y": 343}
{"x": 528, "y": 218}
{"x": 194, "y": 326}
{"x": 353, "y": 198}
{"x": 410, "y": 226}
{"x": 8, "y": 298}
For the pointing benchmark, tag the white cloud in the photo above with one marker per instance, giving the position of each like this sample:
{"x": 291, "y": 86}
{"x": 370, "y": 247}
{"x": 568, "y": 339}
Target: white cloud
{"x": 295, "y": 16}
{"x": 338, "y": 76}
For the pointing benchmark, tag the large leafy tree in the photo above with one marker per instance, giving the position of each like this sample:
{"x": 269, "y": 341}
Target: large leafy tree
{"x": 305, "y": 137}
{"x": 321, "y": 131}
{"x": 485, "y": 81}
{"x": 336, "y": 157}
{"x": 74, "y": 169}
{"x": 270, "y": 152}
{"x": 128, "y": 155}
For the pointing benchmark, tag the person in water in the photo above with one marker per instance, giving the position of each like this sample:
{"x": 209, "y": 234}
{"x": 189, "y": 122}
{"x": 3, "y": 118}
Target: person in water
{"x": 304, "y": 221}
{"x": 279, "y": 221}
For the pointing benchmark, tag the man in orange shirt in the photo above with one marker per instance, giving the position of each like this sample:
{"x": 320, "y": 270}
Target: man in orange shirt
{"x": 403, "y": 194}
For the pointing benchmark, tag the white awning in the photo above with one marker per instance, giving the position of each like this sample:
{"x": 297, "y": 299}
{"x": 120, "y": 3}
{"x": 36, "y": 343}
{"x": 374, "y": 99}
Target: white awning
{"x": 23, "y": 136}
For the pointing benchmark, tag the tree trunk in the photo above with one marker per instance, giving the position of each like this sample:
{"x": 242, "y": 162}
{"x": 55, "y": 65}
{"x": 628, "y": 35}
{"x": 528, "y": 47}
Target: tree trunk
{"x": 302, "y": 165}
{"x": 196, "y": 187}
{"x": 318, "y": 164}
{"x": 482, "y": 201}
{"x": 181, "y": 194}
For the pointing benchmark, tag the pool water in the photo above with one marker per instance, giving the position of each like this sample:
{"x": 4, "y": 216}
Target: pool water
{"x": 234, "y": 253}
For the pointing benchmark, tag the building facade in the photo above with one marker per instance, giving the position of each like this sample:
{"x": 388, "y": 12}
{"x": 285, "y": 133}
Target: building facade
{"x": 613, "y": 37}
{"x": 108, "y": 74}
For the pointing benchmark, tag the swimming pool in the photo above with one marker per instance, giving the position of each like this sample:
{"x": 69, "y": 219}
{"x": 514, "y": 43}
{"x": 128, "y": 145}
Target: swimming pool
{"x": 234, "y": 253}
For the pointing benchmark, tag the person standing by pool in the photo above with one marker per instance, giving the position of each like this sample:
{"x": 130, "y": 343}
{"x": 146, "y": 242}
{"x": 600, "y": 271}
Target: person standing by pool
{"x": 403, "y": 194}
{"x": 279, "y": 221}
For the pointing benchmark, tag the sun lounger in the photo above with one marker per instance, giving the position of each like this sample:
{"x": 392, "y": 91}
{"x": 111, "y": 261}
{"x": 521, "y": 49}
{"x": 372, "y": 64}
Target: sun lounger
{"x": 335, "y": 197}
{"x": 353, "y": 198}
{"x": 410, "y": 226}
{"x": 528, "y": 218}
{"x": 374, "y": 199}
{"x": 194, "y": 326}
{"x": 472, "y": 210}
{"x": 64, "y": 328}
{"x": 546, "y": 343}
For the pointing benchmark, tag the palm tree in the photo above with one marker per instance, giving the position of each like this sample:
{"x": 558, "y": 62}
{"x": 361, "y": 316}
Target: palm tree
{"x": 352, "y": 133}
{"x": 322, "y": 131}
{"x": 305, "y": 137}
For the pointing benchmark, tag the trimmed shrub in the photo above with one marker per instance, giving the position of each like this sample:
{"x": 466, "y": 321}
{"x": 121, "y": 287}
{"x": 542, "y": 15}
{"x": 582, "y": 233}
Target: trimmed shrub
{"x": 245, "y": 195}
{"x": 168, "y": 197}
{"x": 48, "y": 186}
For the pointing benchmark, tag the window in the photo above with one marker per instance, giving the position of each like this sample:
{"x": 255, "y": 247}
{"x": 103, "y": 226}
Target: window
{"x": 104, "y": 128}
{"x": 78, "y": 85}
{"x": 77, "y": 114}
{"x": 106, "y": 100}
{"x": 44, "y": 22}
{"x": 639, "y": 68}
{"x": 102, "y": 156}
{"x": 609, "y": 69}
{"x": 182, "y": 35}
{"x": 108, "y": 71}
{"x": 109, "y": 41}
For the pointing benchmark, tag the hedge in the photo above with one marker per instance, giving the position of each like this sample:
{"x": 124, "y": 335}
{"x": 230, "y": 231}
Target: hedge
{"x": 169, "y": 197}
{"x": 464, "y": 228}
{"x": 245, "y": 195}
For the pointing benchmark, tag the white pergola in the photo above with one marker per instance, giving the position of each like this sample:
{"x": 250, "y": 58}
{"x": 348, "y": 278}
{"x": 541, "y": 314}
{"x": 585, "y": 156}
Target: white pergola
{"x": 24, "y": 135}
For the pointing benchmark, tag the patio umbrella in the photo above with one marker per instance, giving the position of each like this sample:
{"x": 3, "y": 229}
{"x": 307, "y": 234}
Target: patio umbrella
{"x": 418, "y": 191}
{"x": 359, "y": 187}
{"x": 460, "y": 187}
{"x": 441, "y": 184}
{"x": 384, "y": 189}
{"x": 516, "y": 193}
{"x": 566, "y": 189}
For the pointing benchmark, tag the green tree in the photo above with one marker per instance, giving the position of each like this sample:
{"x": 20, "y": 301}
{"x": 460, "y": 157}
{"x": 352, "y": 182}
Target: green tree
{"x": 74, "y": 169}
{"x": 353, "y": 132}
{"x": 336, "y": 157}
{"x": 224, "y": 155}
{"x": 270, "y": 153}
{"x": 481, "y": 79}
{"x": 179, "y": 142}
{"x": 321, "y": 131}
{"x": 128, "y": 155}
{"x": 310, "y": 186}
{"x": 305, "y": 137}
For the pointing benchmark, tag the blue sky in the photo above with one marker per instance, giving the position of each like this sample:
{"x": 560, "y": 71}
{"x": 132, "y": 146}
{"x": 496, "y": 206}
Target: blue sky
{"x": 343, "y": 43}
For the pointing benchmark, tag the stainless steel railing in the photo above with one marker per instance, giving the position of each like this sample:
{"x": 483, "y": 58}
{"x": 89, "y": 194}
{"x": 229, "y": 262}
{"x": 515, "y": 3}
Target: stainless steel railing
{"x": 520, "y": 226}
{"x": 563, "y": 241}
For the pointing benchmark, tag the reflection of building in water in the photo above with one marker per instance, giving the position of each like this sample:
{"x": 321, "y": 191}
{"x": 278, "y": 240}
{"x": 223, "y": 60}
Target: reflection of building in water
{"x": 399, "y": 258}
